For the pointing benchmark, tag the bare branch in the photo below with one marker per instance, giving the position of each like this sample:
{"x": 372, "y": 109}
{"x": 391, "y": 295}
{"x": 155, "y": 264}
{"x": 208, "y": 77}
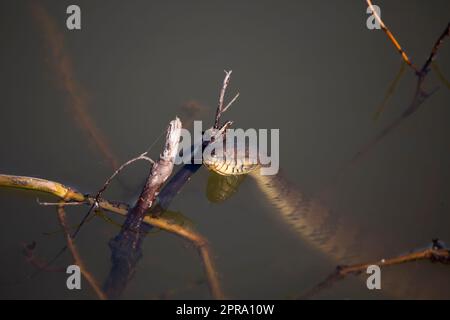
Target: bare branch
{"x": 126, "y": 247}
{"x": 220, "y": 108}
{"x": 64, "y": 204}
{"x": 420, "y": 95}
{"x": 434, "y": 50}
{"x": 435, "y": 253}
{"x": 391, "y": 37}
{"x": 231, "y": 102}
{"x": 159, "y": 173}
{"x": 105, "y": 186}
{"x": 76, "y": 255}
{"x": 63, "y": 192}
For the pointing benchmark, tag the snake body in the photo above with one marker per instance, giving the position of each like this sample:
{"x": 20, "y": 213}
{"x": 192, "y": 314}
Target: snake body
{"x": 333, "y": 233}
{"x": 330, "y": 233}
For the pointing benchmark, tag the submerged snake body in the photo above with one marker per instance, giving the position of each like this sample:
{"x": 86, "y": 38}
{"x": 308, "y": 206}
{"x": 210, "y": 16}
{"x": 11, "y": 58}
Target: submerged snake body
{"x": 330, "y": 233}
{"x": 336, "y": 235}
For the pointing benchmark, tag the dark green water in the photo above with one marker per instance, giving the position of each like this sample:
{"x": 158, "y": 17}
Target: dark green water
{"x": 310, "y": 68}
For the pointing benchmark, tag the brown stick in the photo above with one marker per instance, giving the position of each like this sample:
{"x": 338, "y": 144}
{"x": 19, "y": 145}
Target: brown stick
{"x": 391, "y": 37}
{"x": 436, "y": 253}
{"x": 126, "y": 247}
{"x": 424, "y": 70}
{"x": 76, "y": 256}
{"x": 159, "y": 173}
{"x": 69, "y": 194}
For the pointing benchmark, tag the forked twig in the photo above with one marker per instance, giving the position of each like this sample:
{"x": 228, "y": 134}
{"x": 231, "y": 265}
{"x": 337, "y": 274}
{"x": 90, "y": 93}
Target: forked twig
{"x": 94, "y": 205}
{"x": 220, "y": 107}
{"x": 420, "y": 95}
{"x": 72, "y": 197}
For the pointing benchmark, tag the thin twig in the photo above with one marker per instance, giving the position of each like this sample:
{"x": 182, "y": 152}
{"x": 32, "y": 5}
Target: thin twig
{"x": 61, "y": 204}
{"x": 391, "y": 37}
{"x": 105, "y": 186}
{"x": 434, "y": 50}
{"x": 176, "y": 183}
{"x": 231, "y": 102}
{"x": 220, "y": 107}
{"x": 419, "y": 97}
{"x": 76, "y": 255}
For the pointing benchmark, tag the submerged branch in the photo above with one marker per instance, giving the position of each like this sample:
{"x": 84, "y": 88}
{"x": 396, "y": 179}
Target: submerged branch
{"x": 70, "y": 194}
{"x": 76, "y": 256}
{"x": 419, "y": 97}
{"x": 435, "y": 253}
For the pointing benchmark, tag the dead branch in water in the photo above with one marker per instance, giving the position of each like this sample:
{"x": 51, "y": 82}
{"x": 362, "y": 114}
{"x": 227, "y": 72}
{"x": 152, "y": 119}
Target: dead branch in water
{"x": 391, "y": 37}
{"x": 76, "y": 256}
{"x": 220, "y": 107}
{"x": 420, "y": 94}
{"x": 62, "y": 64}
{"x": 159, "y": 173}
{"x": 70, "y": 194}
{"x": 99, "y": 194}
{"x": 126, "y": 247}
{"x": 435, "y": 253}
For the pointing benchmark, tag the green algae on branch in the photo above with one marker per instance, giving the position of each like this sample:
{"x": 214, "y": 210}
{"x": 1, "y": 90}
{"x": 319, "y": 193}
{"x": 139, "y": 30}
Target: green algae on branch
{"x": 167, "y": 224}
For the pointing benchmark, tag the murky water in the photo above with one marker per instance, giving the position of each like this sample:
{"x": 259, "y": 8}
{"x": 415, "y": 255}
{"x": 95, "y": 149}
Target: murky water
{"x": 311, "y": 69}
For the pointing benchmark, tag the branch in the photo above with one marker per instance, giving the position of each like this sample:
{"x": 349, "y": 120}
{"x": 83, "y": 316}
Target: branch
{"x": 420, "y": 95}
{"x": 159, "y": 173}
{"x": 434, "y": 50}
{"x": 391, "y": 37}
{"x": 220, "y": 107}
{"x": 176, "y": 183}
{"x": 69, "y": 194}
{"x": 105, "y": 186}
{"x": 76, "y": 256}
{"x": 126, "y": 247}
{"x": 436, "y": 253}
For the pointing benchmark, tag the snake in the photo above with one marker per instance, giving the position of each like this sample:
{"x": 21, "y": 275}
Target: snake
{"x": 335, "y": 235}
{"x": 306, "y": 216}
